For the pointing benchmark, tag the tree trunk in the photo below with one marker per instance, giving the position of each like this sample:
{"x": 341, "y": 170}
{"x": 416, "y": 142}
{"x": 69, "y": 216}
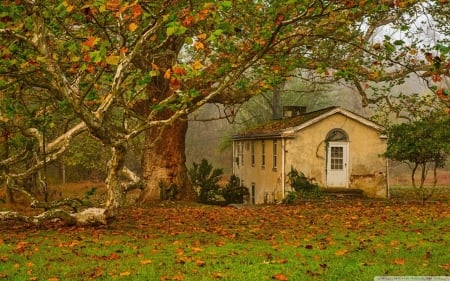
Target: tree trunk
{"x": 115, "y": 194}
{"x": 277, "y": 107}
{"x": 164, "y": 163}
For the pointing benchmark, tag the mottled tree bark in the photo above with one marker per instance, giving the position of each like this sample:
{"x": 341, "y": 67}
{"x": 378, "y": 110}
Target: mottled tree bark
{"x": 116, "y": 194}
{"x": 164, "y": 161}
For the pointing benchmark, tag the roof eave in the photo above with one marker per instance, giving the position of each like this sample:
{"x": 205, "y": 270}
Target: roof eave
{"x": 257, "y": 136}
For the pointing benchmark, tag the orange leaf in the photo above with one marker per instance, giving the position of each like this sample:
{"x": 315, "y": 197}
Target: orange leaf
{"x": 341, "y": 252}
{"x": 144, "y": 262}
{"x": 200, "y": 263}
{"x": 187, "y": 21}
{"x": 113, "y": 256}
{"x": 136, "y": 11}
{"x": 126, "y": 273}
{"x": 132, "y": 27}
{"x": 167, "y": 74}
{"x": 394, "y": 243}
{"x": 90, "y": 42}
{"x": 112, "y": 5}
{"x": 199, "y": 45}
{"x": 197, "y": 65}
{"x": 178, "y": 277}
{"x": 399, "y": 261}
{"x": 178, "y": 70}
{"x": 53, "y": 279}
{"x": 175, "y": 83}
{"x": 196, "y": 249}
{"x": 155, "y": 67}
{"x": 280, "y": 277}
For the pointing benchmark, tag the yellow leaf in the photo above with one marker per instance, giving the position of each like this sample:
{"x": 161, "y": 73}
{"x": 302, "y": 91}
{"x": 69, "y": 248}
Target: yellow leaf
{"x": 126, "y": 273}
{"x": 154, "y": 73}
{"x": 144, "y": 262}
{"x": 201, "y": 36}
{"x": 74, "y": 58}
{"x": 132, "y": 27}
{"x": 197, "y": 65}
{"x": 113, "y": 60}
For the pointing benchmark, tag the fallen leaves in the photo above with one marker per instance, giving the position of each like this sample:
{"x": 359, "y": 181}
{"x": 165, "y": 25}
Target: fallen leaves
{"x": 198, "y": 241}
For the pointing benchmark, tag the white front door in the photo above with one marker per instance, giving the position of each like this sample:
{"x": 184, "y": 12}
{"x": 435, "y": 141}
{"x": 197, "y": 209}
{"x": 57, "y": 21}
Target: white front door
{"x": 337, "y": 164}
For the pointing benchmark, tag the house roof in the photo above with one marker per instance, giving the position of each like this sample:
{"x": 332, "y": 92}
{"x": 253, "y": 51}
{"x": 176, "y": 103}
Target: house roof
{"x": 288, "y": 126}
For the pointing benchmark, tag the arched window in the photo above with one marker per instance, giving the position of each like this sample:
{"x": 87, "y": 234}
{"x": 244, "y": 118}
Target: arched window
{"x": 337, "y": 135}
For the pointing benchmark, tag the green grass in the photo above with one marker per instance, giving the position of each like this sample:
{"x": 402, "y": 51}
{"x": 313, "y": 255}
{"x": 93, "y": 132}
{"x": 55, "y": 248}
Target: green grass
{"x": 325, "y": 240}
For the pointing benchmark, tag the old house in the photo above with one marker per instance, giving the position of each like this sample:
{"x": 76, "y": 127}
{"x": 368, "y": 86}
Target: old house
{"x": 333, "y": 147}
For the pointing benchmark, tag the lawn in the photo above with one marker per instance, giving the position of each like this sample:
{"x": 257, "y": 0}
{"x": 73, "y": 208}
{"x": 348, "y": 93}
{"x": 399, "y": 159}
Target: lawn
{"x": 323, "y": 240}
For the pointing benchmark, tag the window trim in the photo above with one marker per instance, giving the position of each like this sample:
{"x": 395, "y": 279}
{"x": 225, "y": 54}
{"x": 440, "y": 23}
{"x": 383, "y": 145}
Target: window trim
{"x": 263, "y": 153}
{"x": 252, "y": 153}
{"x": 275, "y": 155}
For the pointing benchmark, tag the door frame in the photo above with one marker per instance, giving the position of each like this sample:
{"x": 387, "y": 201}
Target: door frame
{"x": 346, "y": 160}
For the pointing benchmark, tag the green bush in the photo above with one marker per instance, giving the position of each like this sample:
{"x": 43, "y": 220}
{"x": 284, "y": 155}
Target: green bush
{"x": 299, "y": 182}
{"x": 302, "y": 186}
{"x": 291, "y": 197}
{"x": 234, "y": 192}
{"x": 206, "y": 181}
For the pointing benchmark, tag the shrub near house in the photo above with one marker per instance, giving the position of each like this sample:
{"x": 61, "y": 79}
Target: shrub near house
{"x": 206, "y": 180}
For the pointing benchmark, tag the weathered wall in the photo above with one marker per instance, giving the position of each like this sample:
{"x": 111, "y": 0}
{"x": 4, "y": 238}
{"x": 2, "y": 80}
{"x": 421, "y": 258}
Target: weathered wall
{"x": 367, "y": 169}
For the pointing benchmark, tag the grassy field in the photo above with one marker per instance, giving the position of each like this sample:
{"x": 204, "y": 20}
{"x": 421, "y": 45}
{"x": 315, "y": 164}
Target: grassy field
{"x": 324, "y": 240}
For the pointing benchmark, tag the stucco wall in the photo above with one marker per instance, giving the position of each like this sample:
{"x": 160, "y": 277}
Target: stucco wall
{"x": 266, "y": 179}
{"x": 367, "y": 169}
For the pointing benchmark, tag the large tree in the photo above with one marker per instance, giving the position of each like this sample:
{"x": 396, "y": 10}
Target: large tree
{"x": 120, "y": 69}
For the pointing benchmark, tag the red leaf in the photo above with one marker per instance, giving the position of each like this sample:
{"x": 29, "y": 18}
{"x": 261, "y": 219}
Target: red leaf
{"x": 136, "y": 11}
{"x": 90, "y": 42}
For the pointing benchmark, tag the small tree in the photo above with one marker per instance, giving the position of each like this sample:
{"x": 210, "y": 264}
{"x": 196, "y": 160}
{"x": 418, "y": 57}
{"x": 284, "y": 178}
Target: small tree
{"x": 234, "y": 192}
{"x": 205, "y": 180}
{"x": 423, "y": 145}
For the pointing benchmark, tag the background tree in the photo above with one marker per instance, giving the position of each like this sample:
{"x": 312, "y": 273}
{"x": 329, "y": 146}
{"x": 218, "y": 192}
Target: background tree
{"x": 423, "y": 145}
